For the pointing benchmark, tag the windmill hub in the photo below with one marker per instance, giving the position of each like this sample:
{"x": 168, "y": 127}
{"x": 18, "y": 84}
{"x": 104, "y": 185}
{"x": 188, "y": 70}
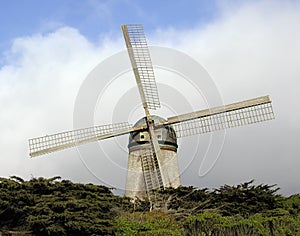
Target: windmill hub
{"x": 166, "y": 136}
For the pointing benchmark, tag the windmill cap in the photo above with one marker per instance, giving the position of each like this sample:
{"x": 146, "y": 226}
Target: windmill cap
{"x": 166, "y": 135}
{"x": 142, "y": 121}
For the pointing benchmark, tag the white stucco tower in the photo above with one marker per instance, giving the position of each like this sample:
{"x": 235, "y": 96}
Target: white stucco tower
{"x": 139, "y": 144}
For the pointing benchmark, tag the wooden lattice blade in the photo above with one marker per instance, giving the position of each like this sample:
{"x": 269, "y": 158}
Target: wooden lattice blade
{"x": 156, "y": 153}
{"x": 51, "y": 143}
{"x": 152, "y": 175}
{"x": 141, "y": 63}
{"x": 222, "y": 117}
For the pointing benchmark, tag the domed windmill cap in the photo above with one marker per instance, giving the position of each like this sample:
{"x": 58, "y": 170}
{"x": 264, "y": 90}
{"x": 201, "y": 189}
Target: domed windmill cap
{"x": 166, "y": 135}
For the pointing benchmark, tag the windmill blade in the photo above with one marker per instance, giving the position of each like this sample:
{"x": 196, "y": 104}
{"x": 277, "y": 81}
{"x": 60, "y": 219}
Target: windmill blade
{"x": 223, "y": 117}
{"x": 152, "y": 175}
{"x": 142, "y": 67}
{"x": 156, "y": 153}
{"x": 55, "y": 142}
{"x": 141, "y": 63}
{"x": 151, "y": 172}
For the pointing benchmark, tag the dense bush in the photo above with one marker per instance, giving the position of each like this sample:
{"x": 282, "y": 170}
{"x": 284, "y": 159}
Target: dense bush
{"x": 52, "y": 207}
{"x": 59, "y": 207}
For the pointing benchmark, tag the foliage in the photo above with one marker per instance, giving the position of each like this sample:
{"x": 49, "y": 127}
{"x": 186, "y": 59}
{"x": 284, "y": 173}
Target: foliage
{"x": 292, "y": 204}
{"x": 59, "y": 207}
{"x": 51, "y": 207}
{"x": 147, "y": 223}
{"x": 215, "y": 224}
{"x": 246, "y": 199}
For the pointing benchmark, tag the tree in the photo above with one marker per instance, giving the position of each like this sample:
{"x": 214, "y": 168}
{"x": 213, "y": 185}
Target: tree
{"x": 246, "y": 199}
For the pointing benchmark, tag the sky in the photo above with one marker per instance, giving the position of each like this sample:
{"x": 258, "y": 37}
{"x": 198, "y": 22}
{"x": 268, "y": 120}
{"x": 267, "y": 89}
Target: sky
{"x": 50, "y": 50}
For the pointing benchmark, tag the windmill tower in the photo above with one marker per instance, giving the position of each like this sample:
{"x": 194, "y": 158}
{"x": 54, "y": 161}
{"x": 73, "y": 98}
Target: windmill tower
{"x": 152, "y": 161}
{"x": 143, "y": 171}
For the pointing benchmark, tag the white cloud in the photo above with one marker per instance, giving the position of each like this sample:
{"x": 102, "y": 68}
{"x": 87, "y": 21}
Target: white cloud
{"x": 39, "y": 84}
{"x": 251, "y": 50}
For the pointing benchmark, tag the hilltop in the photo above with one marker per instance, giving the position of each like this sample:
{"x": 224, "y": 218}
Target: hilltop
{"x": 53, "y": 206}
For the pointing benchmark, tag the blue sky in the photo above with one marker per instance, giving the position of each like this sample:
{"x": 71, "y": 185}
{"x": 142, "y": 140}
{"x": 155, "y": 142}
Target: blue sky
{"x": 93, "y": 18}
{"x": 249, "y": 48}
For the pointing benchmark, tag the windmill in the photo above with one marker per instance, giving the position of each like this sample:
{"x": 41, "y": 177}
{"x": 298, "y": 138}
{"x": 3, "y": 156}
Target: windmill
{"x": 152, "y": 160}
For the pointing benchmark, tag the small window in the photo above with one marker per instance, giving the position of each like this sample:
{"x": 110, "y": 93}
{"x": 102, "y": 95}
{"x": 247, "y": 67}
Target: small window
{"x": 142, "y": 137}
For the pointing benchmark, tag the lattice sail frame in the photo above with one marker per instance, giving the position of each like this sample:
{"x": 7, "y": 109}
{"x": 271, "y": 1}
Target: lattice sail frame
{"x": 141, "y": 63}
{"x": 223, "y": 117}
{"x": 230, "y": 119}
{"x": 151, "y": 172}
{"x": 55, "y": 142}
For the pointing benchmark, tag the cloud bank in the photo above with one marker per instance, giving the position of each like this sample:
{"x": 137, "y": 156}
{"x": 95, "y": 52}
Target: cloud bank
{"x": 249, "y": 50}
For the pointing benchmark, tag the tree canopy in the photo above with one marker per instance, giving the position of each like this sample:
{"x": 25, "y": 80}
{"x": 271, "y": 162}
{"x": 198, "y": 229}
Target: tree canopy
{"x": 53, "y": 206}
